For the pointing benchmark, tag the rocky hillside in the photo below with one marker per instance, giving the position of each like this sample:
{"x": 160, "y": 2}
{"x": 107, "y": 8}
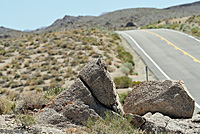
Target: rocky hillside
{"x": 114, "y": 20}
{"x": 49, "y": 60}
{"x": 49, "y": 63}
{"x": 188, "y": 24}
{"x": 124, "y": 18}
{"x": 7, "y": 33}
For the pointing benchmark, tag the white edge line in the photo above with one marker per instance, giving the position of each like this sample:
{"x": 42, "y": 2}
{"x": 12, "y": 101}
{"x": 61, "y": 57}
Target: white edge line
{"x": 183, "y": 34}
{"x": 190, "y": 36}
{"x": 196, "y": 104}
{"x": 147, "y": 56}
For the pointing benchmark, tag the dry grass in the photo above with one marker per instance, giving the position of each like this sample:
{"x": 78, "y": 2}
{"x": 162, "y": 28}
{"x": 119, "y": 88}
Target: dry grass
{"x": 39, "y": 62}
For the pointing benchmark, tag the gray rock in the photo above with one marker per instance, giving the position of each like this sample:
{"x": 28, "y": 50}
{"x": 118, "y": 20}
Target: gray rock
{"x": 196, "y": 118}
{"x": 99, "y": 82}
{"x": 169, "y": 97}
{"x": 2, "y": 122}
{"x": 136, "y": 120}
{"x": 158, "y": 123}
{"x": 82, "y": 100}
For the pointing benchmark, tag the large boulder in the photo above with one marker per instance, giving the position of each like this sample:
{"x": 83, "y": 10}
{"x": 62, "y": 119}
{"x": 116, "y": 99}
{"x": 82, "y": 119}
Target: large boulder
{"x": 92, "y": 94}
{"x": 158, "y": 123}
{"x": 169, "y": 97}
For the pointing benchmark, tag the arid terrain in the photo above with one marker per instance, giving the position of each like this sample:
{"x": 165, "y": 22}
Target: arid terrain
{"x": 37, "y": 66}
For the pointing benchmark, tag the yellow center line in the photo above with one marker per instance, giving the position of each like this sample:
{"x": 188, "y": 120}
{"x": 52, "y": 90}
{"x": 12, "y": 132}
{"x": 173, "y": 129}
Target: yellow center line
{"x": 168, "y": 42}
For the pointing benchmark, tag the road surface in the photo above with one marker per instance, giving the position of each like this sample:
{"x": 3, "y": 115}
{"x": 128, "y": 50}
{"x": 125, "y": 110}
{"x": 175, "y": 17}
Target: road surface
{"x": 170, "y": 55}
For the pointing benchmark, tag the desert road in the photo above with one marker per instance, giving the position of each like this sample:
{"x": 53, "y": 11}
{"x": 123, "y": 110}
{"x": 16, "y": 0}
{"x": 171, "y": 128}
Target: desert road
{"x": 170, "y": 55}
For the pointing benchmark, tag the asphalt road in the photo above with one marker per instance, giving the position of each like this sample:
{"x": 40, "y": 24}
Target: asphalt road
{"x": 170, "y": 55}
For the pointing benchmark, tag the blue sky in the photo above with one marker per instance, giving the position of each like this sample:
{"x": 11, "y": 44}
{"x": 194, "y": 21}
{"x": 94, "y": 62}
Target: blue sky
{"x": 32, "y": 14}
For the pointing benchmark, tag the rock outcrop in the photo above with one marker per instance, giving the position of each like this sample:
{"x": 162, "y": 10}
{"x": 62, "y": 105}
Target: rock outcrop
{"x": 158, "y": 123}
{"x": 168, "y": 97}
{"x": 92, "y": 94}
{"x": 196, "y": 118}
{"x": 136, "y": 120}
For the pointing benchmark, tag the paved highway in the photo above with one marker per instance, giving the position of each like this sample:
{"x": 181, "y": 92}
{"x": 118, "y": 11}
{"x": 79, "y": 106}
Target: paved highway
{"x": 170, "y": 55}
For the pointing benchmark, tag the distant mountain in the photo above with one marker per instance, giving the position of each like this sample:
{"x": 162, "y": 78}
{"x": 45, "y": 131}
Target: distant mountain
{"x": 103, "y": 13}
{"x": 114, "y": 20}
{"x": 27, "y": 30}
{"x": 124, "y": 18}
{"x": 7, "y": 32}
{"x": 193, "y": 5}
{"x": 66, "y": 21}
{"x": 40, "y": 28}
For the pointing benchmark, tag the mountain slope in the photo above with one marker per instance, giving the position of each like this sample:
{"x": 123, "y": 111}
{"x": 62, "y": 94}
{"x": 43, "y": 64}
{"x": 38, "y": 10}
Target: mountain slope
{"x": 124, "y": 18}
{"x": 7, "y": 33}
{"x": 114, "y": 20}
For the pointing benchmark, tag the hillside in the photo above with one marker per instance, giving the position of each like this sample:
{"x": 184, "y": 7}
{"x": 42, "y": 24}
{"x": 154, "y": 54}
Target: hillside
{"x": 42, "y": 62}
{"x": 124, "y": 18}
{"x": 37, "y": 66}
{"x": 113, "y": 20}
{"x": 189, "y": 25}
{"x": 7, "y": 33}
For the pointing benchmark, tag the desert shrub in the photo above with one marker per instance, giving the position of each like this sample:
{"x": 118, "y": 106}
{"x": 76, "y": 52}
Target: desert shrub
{"x": 150, "y": 27}
{"x": 181, "y": 26}
{"x": 166, "y": 26}
{"x": 2, "y": 52}
{"x": 189, "y": 20}
{"x": 24, "y": 77}
{"x": 26, "y": 120}
{"x": 120, "y": 49}
{"x": 92, "y": 52}
{"x": 58, "y": 79}
{"x": 131, "y": 61}
{"x": 186, "y": 28}
{"x": 31, "y": 82}
{"x": 40, "y": 81}
{"x": 115, "y": 36}
{"x": 144, "y": 27}
{"x": 12, "y": 95}
{"x": 6, "y": 106}
{"x": 195, "y": 29}
{"x": 123, "y": 82}
{"x": 87, "y": 47}
{"x": 2, "y": 107}
{"x": 2, "y": 90}
{"x": 125, "y": 57}
{"x": 13, "y": 84}
{"x": 29, "y": 100}
{"x": 129, "y": 66}
{"x": 198, "y": 34}
{"x": 174, "y": 26}
{"x": 160, "y": 26}
{"x": 17, "y": 76}
{"x": 53, "y": 92}
{"x": 108, "y": 61}
{"x": 39, "y": 89}
{"x": 111, "y": 124}
{"x": 125, "y": 70}
{"x": 122, "y": 97}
